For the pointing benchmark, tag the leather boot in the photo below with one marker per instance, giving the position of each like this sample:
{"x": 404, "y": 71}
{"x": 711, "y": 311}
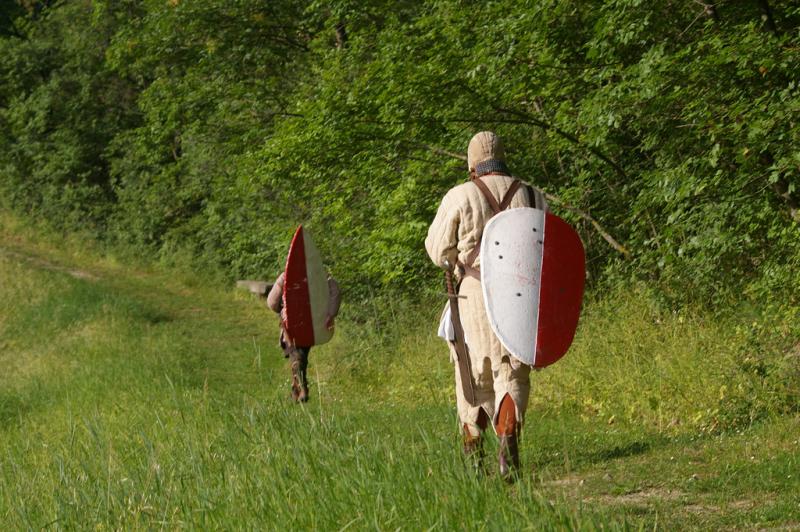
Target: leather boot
{"x": 296, "y": 390}
{"x": 299, "y": 361}
{"x": 508, "y": 457}
{"x": 302, "y": 374}
{"x": 303, "y": 396}
{"x": 473, "y": 451}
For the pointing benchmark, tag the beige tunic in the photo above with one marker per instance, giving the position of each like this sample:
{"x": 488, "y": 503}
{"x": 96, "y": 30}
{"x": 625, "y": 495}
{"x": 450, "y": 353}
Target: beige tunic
{"x": 463, "y": 213}
{"x": 454, "y": 233}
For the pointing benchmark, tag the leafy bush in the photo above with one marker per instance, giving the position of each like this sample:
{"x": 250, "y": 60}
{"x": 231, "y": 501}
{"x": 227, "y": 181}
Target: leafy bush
{"x": 212, "y": 129}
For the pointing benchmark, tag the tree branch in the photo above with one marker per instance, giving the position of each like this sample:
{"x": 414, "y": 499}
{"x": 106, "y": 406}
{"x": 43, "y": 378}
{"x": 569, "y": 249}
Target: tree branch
{"x": 551, "y": 197}
{"x": 442, "y": 151}
{"x": 341, "y": 34}
{"x": 606, "y": 236}
{"x": 527, "y": 118}
{"x": 710, "y": 10}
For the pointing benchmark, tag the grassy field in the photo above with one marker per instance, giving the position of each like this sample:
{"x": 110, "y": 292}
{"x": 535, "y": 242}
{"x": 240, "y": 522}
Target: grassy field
{"x": 144, "y": 398}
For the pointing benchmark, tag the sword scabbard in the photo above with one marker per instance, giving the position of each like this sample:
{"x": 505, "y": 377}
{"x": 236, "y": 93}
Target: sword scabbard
{"x": 464, "y": 366}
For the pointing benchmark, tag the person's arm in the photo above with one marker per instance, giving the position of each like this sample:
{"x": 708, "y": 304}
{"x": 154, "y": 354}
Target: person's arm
{"x": 442, "y": 241}
{"x": 275, "y": 296}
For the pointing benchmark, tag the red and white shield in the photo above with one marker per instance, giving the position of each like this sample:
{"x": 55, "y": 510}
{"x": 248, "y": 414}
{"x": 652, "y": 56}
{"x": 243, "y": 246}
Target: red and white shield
{"x": 305, "y": 292}
{"x": 532, "y": 273}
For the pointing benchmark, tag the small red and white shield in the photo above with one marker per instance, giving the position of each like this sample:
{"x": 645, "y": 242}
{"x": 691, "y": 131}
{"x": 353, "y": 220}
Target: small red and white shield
{"x": 305, "y": 292}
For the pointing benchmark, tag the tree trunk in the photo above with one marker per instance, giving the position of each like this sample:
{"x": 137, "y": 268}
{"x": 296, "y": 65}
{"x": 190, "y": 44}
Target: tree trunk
{"x": 781, "y": 188}
{"x": 341, "y": 35}
{"x": 711, "y": 11}
{"x": 766, "y": 14}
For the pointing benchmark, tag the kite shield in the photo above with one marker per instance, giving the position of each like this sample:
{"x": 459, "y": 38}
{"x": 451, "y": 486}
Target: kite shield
{"x": 532, "y": 274}
{"x": 305, "y": 292}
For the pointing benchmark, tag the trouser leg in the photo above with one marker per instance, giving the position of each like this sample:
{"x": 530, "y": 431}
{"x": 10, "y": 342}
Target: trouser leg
{"x": 298, "y": 360}
{"x": 474, "y": 419}
{"x": 512, "y": 388}
{"x": 303, "y": 367}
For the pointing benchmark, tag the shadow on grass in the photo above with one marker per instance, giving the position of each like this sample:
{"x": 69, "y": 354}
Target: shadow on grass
{"x": 13, "y": 408}
{"x": 569, "y": 441}
{"x": 155, "y": 317}
{"x": 620, "y": 451}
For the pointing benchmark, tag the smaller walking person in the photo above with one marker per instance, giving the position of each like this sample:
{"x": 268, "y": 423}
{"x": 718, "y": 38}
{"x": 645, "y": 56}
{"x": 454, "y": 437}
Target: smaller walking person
{"x": 298, "y": 354}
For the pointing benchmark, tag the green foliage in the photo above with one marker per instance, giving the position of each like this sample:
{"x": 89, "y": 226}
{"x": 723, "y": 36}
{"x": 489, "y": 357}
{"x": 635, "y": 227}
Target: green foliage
{"x": 212, "y": 129}
{"x": 59, "y": 105}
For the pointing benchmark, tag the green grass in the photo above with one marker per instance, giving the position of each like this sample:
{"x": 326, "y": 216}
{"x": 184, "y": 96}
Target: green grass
{"x": 140, "y": 398}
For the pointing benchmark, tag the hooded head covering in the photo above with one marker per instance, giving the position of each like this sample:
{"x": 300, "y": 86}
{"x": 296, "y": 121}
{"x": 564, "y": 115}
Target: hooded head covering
{"x": 485, "y": 146}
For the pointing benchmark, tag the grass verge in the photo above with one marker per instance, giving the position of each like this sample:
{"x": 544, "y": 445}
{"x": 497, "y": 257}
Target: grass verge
{"x": 134, "y": 399}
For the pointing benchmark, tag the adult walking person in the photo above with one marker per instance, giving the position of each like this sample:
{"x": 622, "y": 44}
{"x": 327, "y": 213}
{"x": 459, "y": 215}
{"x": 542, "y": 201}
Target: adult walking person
{"x": 298, "y": 355}
{"x": 499, "y": 385}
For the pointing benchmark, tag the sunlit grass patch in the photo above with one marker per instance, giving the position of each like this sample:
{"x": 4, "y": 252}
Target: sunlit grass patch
{"x": 174, "y": 412}
{"x": 670, "y": 371}
{"x": 139, "y": 401}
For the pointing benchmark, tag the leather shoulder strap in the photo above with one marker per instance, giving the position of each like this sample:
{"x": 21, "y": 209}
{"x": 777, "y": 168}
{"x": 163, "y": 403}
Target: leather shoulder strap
{"x": 488, "y": 195}
{"x": 510, "y": 194}
{"x": 497, "y": 208}
{"x": 535, "y": 198}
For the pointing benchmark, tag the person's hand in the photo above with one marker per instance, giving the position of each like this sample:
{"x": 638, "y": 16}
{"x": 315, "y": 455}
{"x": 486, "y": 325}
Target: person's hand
{"x": 329, "y": 323}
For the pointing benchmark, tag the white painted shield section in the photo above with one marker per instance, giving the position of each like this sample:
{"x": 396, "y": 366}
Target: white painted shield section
{"x": 318, "y": 292}
{"x": 511, "y": 268}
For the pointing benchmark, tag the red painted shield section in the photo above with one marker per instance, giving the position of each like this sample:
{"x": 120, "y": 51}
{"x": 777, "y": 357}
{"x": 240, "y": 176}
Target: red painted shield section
{"x": 561, "y": 293}
{"x": 299, "y": 325}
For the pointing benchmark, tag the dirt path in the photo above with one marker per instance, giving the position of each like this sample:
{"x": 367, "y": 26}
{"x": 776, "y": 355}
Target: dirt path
{"x": 47, "y": 265}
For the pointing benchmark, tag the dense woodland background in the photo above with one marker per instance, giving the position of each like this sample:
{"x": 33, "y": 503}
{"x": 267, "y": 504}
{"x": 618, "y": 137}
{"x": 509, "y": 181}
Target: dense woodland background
{"x": 204, "y": 131}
